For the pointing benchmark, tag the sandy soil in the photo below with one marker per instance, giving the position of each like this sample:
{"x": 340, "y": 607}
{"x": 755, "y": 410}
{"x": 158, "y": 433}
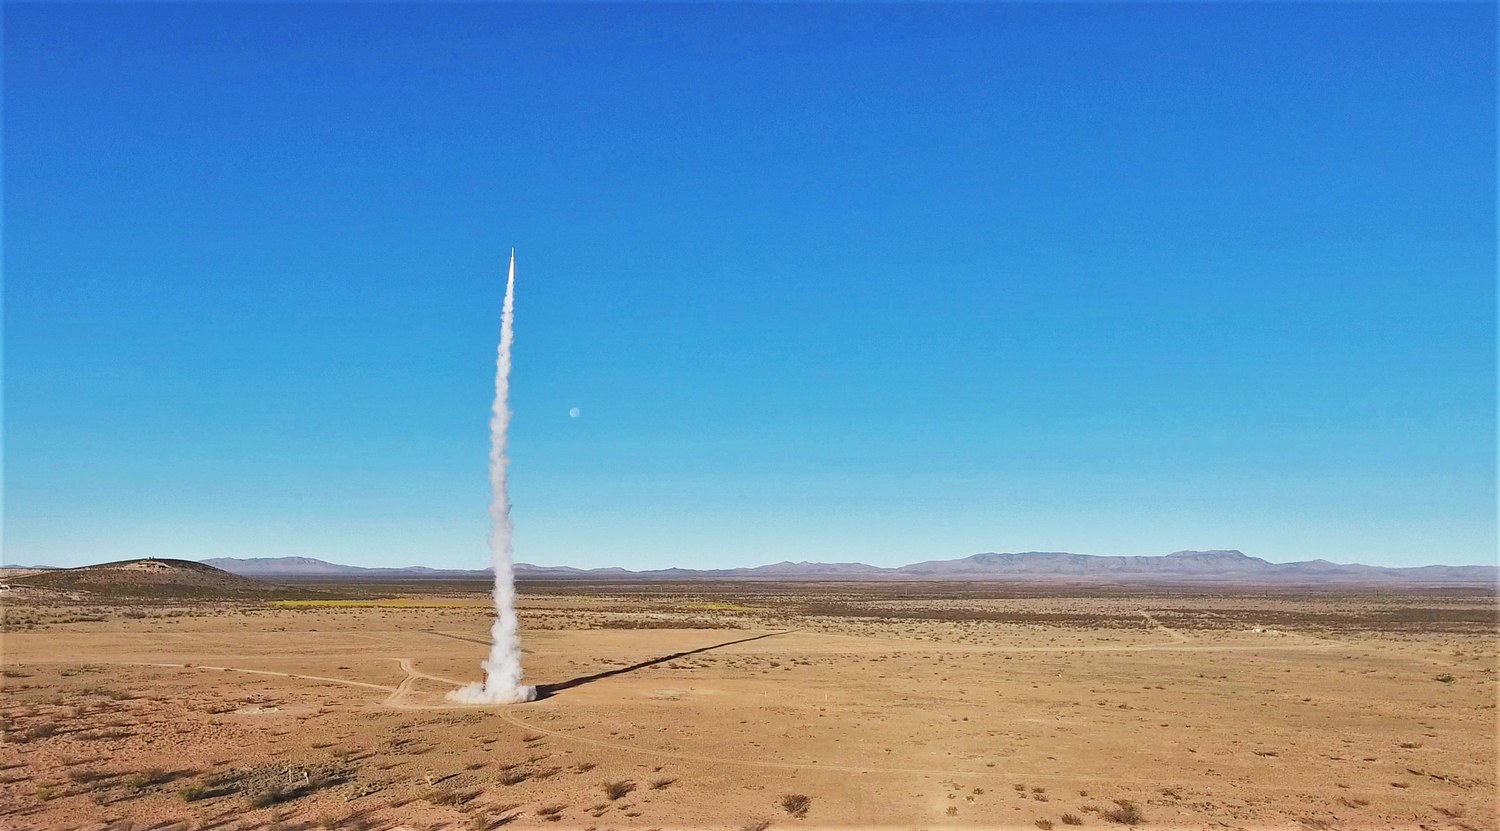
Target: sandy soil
{"x": 882, "y": 707}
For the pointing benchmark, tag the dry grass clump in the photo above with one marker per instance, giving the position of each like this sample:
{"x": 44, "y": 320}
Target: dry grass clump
{"x": 443, "y": 795}
{"x": 616, "y": 790}
{"x": 104, "y": 734}
{"x": 266, "y": 798}
{"x": 145, "y": 779}
{"x": 658, "y": 784}
{"x": 108, "y": 692}
{"x": 36, "y": 731}
{"x": 83, "y": 776}
{"x": 796, "y": 804}
{"x": 1072, "y": 819}
{"x": 1125, "y": 812}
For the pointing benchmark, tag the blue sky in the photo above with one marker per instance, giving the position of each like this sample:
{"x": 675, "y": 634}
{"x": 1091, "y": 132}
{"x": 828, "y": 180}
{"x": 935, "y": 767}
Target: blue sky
{"x": 881, "y": 283}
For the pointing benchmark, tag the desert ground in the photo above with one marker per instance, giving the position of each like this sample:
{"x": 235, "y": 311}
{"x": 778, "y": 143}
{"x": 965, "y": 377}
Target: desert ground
{"x": 756, "y": 705}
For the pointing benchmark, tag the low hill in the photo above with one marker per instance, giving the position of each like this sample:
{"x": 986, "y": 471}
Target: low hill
{"x": 150, "y": 578}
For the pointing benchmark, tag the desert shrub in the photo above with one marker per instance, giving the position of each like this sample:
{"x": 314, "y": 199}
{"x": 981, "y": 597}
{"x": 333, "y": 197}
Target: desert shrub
{"x": 658, "y": 784}
{"x": 584, "y": 767}
{"x": 192, "y": 792}
{"x": 39, "y": 731}
{"x": 267, "y": 798}
{"x": 363, "y": 789}
{"x": 45, "y": 793}
{"x": 1125, "y": 812}
{"x": 796, "y": 804}
{"x": 615, "y": 790}
{"x": 1445, "y": 678}
{"x": 107, "y": 692}
{"x": 145, "y": 779}
{"x": 1072, "y": 819}
{"x": 1044, "y": 824}
{"x": 441, "y": 796}
{"x": 513, "y": 776}
{"x": 106, "y": 734}
{"x": 552, "y": 813}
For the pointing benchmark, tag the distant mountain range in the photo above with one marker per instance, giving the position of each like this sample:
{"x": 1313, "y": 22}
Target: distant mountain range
{"x": 1180, "y": 566}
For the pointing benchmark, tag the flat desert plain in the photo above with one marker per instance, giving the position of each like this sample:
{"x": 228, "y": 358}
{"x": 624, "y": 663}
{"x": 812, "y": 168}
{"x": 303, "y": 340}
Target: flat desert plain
{"x": 757, "y": 705}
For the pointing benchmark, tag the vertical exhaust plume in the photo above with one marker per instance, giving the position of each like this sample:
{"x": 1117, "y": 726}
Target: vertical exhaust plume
{"x": 502, "y": 670}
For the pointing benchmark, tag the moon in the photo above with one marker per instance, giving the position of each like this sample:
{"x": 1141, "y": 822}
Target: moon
{"x": 574, "y": 413}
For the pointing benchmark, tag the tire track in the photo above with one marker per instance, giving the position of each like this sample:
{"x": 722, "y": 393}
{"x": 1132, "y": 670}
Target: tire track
{"x": 1171, "y": 633}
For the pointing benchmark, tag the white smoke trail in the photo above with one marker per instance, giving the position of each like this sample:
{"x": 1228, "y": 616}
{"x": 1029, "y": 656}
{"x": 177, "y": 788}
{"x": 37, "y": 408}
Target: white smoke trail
{"x": 502, "y": 670}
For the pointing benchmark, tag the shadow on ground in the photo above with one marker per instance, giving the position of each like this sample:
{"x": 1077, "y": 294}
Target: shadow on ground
{"x": 548, "y": 690}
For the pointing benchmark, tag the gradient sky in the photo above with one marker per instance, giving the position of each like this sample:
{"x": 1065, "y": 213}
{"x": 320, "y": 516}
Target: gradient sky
{"x": 881, "y": 283}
